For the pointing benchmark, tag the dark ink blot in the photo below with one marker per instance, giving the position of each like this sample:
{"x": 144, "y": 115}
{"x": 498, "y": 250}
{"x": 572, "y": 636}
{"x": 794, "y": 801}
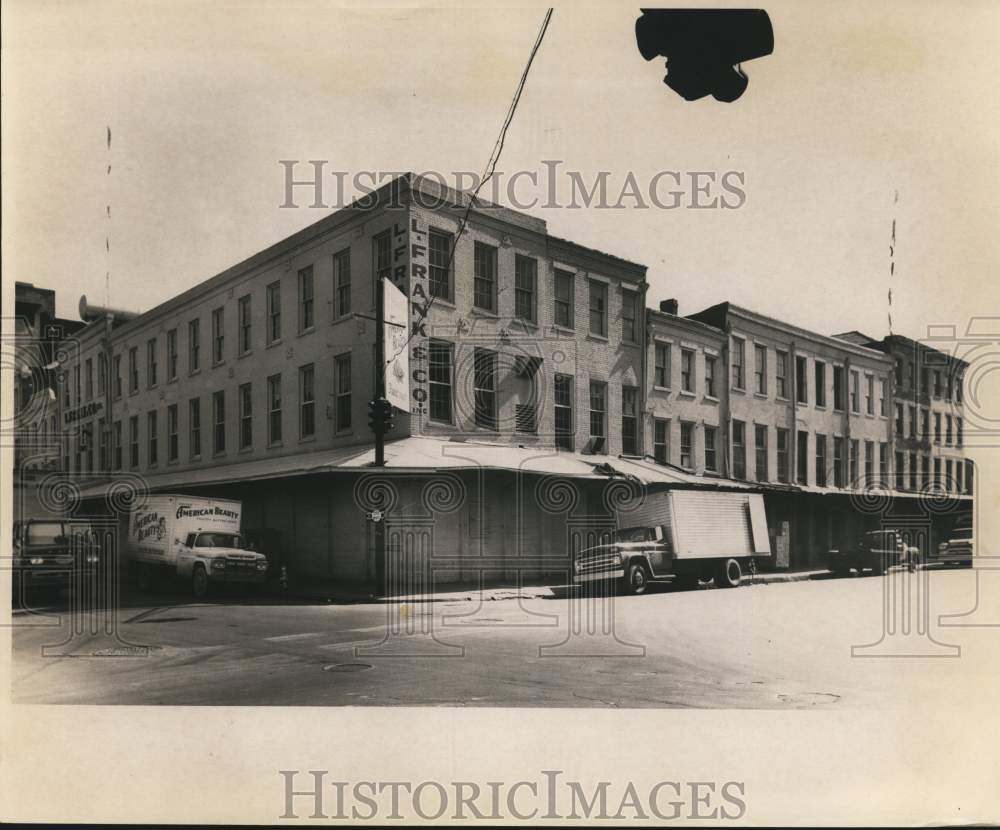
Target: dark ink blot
{"x": 704, "y": 46}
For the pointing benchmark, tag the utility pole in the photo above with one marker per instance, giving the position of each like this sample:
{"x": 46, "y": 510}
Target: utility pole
{"x": 378, "y": 427}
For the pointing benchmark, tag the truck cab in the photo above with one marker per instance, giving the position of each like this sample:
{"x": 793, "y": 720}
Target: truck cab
{"x": 960, "y": 546}
{"x": 46, "y": 552}
{"x": 212, "y": 557}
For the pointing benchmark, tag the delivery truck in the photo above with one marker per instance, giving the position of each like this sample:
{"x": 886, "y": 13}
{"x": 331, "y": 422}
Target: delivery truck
{"x": 195, "y": 539}
{"x": 680, "y": 535}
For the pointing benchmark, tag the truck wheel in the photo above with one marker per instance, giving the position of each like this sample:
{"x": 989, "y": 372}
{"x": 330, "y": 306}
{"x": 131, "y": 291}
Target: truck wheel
{"x": 636, "y": 579}
{"x": 729, "y": 574}
{"x": 199, "y": 582}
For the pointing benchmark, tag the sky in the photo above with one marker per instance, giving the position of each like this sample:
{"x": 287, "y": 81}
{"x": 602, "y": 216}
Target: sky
{"x": 865, "y": 114}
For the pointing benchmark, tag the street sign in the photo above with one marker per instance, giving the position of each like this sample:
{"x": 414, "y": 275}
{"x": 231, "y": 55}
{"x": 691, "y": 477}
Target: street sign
{"x": 397, "y": 358}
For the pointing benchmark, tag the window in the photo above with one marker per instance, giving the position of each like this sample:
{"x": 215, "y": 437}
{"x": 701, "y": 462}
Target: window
{"x": 381, "y": 258}
{"x": 869, "y": 394}
{"x": 172, "y": 443}
{"x": 911, "y": 374}
{"x": 151, "y": 363}
{"x": 838, "y": 461}
{"x": 687, "y": 445}
{"x": 439, "y": 259}
{"x": 924, "y": 379}
{"x": 802, "y": 458}
{"x": 485, "y": 388}
{"x": 661, "y": 440}
{"x": 90, "y": 379}
{"x": 760, "y": 450}
{"x": 485, "y": 282}
{"x": 116, "y": 363}
{"x": 883, "y": 464}
{"x": 925, "y": 424}
{"x": 937, "y": 383}
{"x": 525, "y": 280}
{"x": 439, "y": 379}
{"x": 661, "y": 365}
{"x": 899, "y": 372}
{"x": 630, "y": 420}
{"x": 820, "y": 460}
{"x": 958, "y": 432}
{"x": 133, "y": 441}
{"x": 900, "y": 427}
{"x": 525, "y": 420}
{"x": 344, "y": 384}
{"x": 948, "y": 390}
{"x": 855, "y": 393}
{"x": 102, "y": 373}
{"x": 172, "y": 354}
{"x": 959, "y": 477}
{"x": 937, "y": 427}
{"x": 218, "y": 335}
{"x": 801, "y": 391}
{"x": 246, "y": 416}
{"x": 133, "y": 372}
{"x": 854, "y": 450}
{"x": 711, "y": 451}
{"x": 739, "y": 450}
{"x": 151, "y": 437}
{"x": 194, "y": 345}
{"x": 913, "y": 421}
{"x": 760, "y": 369}
{"x": 947, "y": 430}
{"x": 273, "y": 293}
{"x": 838, "y": 388}
{"x": 598, "y": 308}
{"x": 219, "y": 421}
{"x": 306, "y": 301}
{"x": 307, "y": 402}
{"x": 687, "y": 370}
{"x": 102, "y": 437}
{"x": 900, "y": 470}
{"x": 820, "y": 371}
{"x": 245, "y": 311}
{"x": 598, "y": 408}
{"x": 274, "y": 410}
{"x": 781, "y": 441}
{"x": 564, "y": 290}
{"x": 959, "y": 381}
{"x": 710, "y": 376}
{"x": 116, "y": 445}
{"x": 937, "y": 472}
{"x": 949, "y": 481}
{"x": 869, "y": 463}
{"x": 194, "y": 426}
{"x": 883, "y": 397}
{"x": 739, "y": 353}
{"x": 913, "y": 471}
{"x": 342, "y": 283}
{"x": 781, "y": 373}
{"x": 564, "y": 411}
{"x": 630, "y": 317}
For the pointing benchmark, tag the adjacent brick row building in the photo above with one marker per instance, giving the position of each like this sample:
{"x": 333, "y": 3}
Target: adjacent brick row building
{"x": 532, "y": 360}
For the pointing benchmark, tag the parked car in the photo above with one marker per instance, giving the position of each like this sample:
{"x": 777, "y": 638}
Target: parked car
{"x": 50, "y": 553}
{"x": 960, "y": 547}
{"x": 876, "y": 551}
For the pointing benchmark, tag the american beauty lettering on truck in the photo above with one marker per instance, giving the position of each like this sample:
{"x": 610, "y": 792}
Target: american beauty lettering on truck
{"x": 158, "y": 527}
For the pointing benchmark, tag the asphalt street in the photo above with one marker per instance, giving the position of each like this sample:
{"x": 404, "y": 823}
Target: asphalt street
{"x": 772, "y": 646}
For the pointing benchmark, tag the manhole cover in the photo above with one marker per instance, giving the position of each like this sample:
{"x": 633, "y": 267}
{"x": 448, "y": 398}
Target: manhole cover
{"x": 348, "y": 667}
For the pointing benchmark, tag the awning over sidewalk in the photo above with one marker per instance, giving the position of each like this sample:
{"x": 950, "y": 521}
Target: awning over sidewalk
{"x": 418, "y": 454}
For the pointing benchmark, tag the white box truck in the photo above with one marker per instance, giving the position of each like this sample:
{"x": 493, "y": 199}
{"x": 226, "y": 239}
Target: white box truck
{"x": 196, "y": 539}
{"x": 683, "y": 535}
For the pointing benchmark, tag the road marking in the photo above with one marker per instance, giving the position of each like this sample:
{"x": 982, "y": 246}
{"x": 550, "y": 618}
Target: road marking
{"x": 284, "y": 637}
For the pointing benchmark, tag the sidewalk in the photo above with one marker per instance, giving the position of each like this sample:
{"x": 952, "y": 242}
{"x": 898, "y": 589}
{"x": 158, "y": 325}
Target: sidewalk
{"x": 347, "y": 593}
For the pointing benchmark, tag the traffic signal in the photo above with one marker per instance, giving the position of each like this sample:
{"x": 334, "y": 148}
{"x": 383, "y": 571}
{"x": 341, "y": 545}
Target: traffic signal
{"x": 380, "y": 413}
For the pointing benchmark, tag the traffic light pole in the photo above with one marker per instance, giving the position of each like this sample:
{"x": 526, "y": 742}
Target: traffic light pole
{"x": 379, "y": 428}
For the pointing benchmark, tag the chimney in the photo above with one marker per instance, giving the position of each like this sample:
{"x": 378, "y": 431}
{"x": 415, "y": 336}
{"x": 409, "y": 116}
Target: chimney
{"x": 669, "y": 306}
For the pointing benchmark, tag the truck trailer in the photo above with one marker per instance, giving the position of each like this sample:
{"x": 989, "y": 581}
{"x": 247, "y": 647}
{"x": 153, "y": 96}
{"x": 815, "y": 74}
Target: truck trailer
{"x": 681, "y": 535}
{"x": 195, "y": 539}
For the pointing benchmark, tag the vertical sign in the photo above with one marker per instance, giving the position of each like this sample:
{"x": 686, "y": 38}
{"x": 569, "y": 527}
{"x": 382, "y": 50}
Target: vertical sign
{"x": 397, "y": 358}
